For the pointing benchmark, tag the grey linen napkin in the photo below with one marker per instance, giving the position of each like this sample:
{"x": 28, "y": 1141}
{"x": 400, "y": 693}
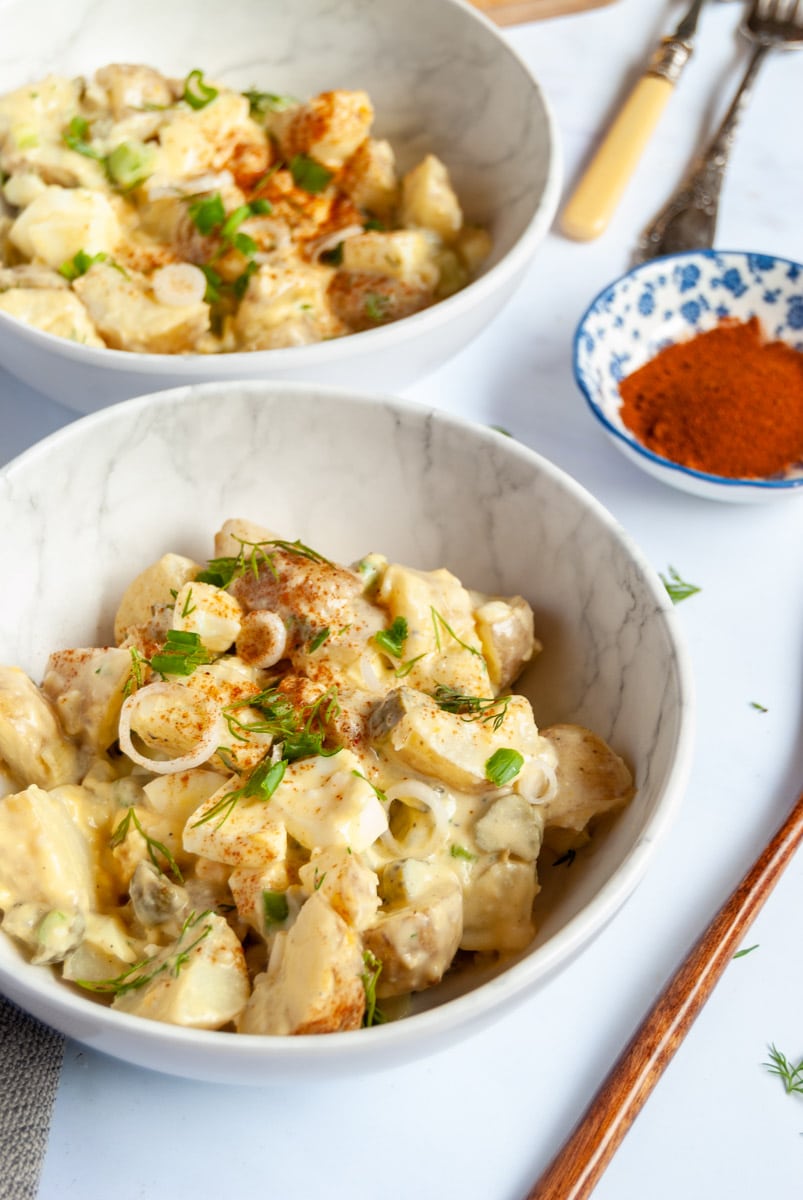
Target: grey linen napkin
{"x": 30, "y": 1063}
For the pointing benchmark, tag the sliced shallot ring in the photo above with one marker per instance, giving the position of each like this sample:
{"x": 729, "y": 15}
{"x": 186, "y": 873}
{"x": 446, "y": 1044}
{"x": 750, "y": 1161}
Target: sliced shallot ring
{"x": 262, "y": 640}
{"x": 440, "y": 806}
{"x": 537, "y": 781}
{"x": 211, "y": 729}
{"x": 331, "y": 240}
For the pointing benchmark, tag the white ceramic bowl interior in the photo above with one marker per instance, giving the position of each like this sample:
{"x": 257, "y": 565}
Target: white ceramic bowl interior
{"x": 441, "y": 77}
{"x": 670, "y": 300}
{"x": 87, "y": 508}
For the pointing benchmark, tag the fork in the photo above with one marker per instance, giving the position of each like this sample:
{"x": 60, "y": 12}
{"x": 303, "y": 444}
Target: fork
{"x": 689, "y": 219}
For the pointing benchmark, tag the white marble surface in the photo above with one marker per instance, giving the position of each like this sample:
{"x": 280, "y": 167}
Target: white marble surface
{"x": 481, "y": 1119}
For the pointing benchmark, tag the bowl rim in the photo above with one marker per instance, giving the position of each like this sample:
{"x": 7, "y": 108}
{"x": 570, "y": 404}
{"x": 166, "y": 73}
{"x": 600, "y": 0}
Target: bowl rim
{"x": 333, "y": 351}
{"x": 454, "y": 1017}
{"x": 629, "y": 440}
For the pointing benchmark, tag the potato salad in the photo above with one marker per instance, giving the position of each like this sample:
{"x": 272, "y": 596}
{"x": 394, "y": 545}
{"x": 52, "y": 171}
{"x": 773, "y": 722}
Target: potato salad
{"x": 166, "y": 216}
{"x": 290, "y": 795}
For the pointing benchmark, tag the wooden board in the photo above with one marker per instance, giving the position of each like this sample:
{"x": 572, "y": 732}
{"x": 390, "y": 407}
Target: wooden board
{"x": 511, "y": 12}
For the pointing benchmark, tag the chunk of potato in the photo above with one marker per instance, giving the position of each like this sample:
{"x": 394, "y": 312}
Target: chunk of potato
{"x": 497, "y": 905}
{"x": 87, "y": 687}
{"x": 417, "y": 936}
{"x": 52, "y": 310}
{"x": 429, "y": 201}
{"x": 505, "y": 629}
{"x": 32, "y": 743}
{"x": 313, "y": 983}
{"x": 44, "y": 858}
{"x": 592, "y": 779}
{"x": 152, "y": 588}
{"x": 199, "y": 981}
{"x": 411, "y": 727}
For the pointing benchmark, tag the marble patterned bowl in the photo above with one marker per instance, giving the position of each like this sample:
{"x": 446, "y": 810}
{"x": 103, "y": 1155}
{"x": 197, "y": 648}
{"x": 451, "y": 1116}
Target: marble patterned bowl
{"x": 441, "y": 78}
{"x": 84, "y": 510}
{"x": 670, "y": 300}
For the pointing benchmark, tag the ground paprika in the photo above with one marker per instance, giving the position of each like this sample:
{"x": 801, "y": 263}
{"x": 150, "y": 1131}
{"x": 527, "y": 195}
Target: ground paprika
{"x": 726, "y": 402}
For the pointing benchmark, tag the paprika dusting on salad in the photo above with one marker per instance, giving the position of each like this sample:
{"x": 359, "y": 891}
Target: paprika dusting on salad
{"x": 726, "y": 402}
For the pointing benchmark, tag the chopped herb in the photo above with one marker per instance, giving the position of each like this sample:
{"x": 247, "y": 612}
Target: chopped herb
{"x": 189, "y": 607}
{"x": 373, "y": 224}
{"x": 137, "y": 976}
{"x": 380, "y": 795}
{"x": 274, "y": 908}
{"x": 240, "y": 284}
{"x": 318, "y": 640}
{"x": 261, "y": 207}
{"x": 182, "y": 652}
{"x": 376, "y": 306}
{"x": 265, "y": 102}
{"x": 244, "y": 244}
{"x": 260, "y": 784}
{"x": 234, "y": 220}
{"x": 758, "y": 707}
{"x": 392, "y": 640}
{"x": 438, "y": 620}
{"x": 130, "y": 164}
{"x": 747, "y": 950}
{"x": 471, "y": 708}
{"x": 461, "y": 852}
{"x": 318, "y": 880}
{"x": 503, "y": 765}
{"x": 214, "y": 283}
{"x": 196, "y": 92}
{"x": 677, "y": 588}
{"x": 134, "y": 680}
{"x": 501, "y": 429}
{"x": 372, "y": 1015}
{"x": 407, "y": 667}
{"x": 309, "y": 175}
{"x": 295, "y": 734}
{"x": 208, "y": 213}
{"x": 565, "y": 859}
{"x": 791, "y": 1075}
{"x": 222, "y": 571}
{"x": 77, "y": 138}
{"x": 154, "y": 848}
{"x": 80, "y": 263}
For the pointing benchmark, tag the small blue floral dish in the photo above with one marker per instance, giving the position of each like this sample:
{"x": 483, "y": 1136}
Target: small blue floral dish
{"x": 673, "y": 299}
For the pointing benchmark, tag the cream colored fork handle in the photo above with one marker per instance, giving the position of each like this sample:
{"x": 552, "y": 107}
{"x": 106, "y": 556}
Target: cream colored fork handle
{"x": 595, "y": 198}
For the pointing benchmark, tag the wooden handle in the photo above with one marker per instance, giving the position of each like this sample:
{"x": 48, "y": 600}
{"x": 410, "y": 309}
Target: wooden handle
{"x": 596, "y": 196}
{"x": 578, "y": 1166}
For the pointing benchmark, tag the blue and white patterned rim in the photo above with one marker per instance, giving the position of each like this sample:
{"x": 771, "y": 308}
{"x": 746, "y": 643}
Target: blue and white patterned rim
{"x": 673, "y": 298}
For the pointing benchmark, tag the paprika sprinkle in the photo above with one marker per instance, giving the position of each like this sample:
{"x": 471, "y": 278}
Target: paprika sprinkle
{"x": 726, "y": 402}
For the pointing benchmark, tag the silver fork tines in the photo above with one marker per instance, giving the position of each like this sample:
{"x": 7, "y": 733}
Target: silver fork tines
{"x": 689, "y": 220}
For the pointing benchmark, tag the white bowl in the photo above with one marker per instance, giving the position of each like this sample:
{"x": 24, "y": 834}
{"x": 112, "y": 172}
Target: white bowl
{"x": 84, "y": 510}
{"x": 441, "y": 77}
{"x": 669, "y": 300}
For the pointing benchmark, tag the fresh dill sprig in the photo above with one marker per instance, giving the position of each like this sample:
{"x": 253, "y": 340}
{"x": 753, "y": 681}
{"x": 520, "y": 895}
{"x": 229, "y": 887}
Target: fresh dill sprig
{"x": 135, "y": 675}
{"x": 252, "y": 557}
{"x": 295, "y": 733}
{"x": 154, "y": 848}
{"x": 787, "y": 1072}
{"x": 439, "y": 621}
{"x": 471, "y": 708}
{"x": 137, "y": 976}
